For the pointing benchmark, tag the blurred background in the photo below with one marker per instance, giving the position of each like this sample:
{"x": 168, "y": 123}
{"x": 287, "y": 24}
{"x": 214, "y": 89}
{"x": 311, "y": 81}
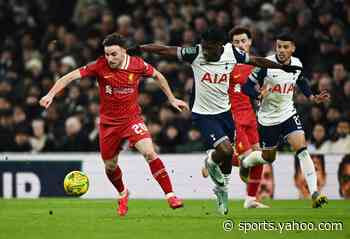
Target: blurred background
{"x": 42, "y": 40}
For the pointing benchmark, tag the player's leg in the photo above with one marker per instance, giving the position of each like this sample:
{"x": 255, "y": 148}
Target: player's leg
{"x": 141, "y": 139}
{"x": 255, "y": 172}
{"x": 269, "y": 140}
{"x": 296, "y": 138}
{"x": 219, "y": 156}
{"x": 110, "y": 146}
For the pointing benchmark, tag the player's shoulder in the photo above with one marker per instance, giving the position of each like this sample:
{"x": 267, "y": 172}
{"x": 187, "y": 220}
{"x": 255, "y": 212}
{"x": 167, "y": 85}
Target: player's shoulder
{"x": 101, "y": 60}
{"x": 295, "y": 61}
{"x": 137, "y": 64}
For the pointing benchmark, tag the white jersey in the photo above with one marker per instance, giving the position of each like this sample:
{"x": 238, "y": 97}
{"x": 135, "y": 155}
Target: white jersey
{"x": 278, "y": 105}
{"x": 211, "y": 79}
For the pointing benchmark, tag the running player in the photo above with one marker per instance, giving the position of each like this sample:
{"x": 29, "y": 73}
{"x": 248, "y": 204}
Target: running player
{"x": 247, "y": 136}
{"x": 212, "y": 62}
{"x": 277, "y": 115}
{"x": 118, "y": 77}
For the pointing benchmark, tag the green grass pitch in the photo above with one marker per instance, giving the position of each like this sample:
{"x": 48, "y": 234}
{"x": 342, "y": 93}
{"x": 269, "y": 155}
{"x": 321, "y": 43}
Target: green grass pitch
{"x": 90, "y": 219}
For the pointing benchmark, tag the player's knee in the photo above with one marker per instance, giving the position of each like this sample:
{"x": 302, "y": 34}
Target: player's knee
{"x": 269, "y": 155}
{"x": 226, "y": 151}
{"x": 150, "y": 155}
{"x": 110, "y": 165}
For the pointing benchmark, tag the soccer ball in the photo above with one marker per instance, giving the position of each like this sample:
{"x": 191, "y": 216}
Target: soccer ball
{"x": 76, "y": 183}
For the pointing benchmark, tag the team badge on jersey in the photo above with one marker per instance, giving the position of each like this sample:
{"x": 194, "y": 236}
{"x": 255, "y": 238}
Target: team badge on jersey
{"x": 131, "y": 78}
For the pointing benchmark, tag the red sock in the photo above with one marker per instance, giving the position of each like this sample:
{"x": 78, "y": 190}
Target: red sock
{"x": 116, "y": 179}
{"x": 254, "y": 180}
{"x": 161, "y": 175}
{"x": 235, "y": 160}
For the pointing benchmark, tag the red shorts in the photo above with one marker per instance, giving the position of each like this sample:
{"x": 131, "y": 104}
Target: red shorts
{"x": 246, "y": 134}
{"x": 113, "y": 136}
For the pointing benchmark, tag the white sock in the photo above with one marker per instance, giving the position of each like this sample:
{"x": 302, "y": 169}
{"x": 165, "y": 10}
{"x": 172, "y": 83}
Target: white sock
{"x": 308, "y": 168}
{"x": 253, "y": 159}
{"x": 250, "y": 198}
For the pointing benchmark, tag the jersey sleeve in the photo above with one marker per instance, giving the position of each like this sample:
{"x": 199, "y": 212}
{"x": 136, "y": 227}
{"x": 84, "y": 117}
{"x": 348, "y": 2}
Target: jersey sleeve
{"x": 303, "y": 85}
{"x": 89, "y": 69}
{"x": 187, "y": 54}
{"x": 148, "y": 70}
{"x": 258, "y": 75}
{"x": 241, "y": 56}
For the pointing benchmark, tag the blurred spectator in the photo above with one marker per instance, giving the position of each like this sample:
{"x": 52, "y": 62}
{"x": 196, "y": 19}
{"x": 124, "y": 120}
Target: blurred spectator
{"x": 340, "y": 141}
{"x": 75, "y": 139}
{"x": 40, "y": 141}
{"x": 318, "y": 138}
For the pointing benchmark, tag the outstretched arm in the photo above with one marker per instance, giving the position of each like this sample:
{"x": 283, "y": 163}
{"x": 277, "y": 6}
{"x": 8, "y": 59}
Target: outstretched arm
{"x": 58, "y": 86}
{"x": 305, "y": 88}
{"x": 255, "y": 80}
{"x": 265, "y": 63}
{"x": 160, "y": 49}
{"x": 187, "y": 54}
{"x": 164, "y": 86}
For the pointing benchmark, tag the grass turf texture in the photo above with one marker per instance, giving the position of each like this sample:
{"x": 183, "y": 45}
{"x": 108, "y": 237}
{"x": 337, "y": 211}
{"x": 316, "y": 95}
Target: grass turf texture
{"x": 90, "y": 219}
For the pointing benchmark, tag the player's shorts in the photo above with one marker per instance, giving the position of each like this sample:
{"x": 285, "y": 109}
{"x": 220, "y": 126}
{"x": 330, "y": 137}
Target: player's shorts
{"x": 246, "y": 134}
{"x": 271, "y": 135}
{"x": 113, "y": 136}
{"x": 214, "y": 128}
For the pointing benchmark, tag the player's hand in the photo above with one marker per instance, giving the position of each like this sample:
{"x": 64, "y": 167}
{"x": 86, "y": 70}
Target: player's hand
{"x": 322, "y": 97}
{"x": 46, "y": 101}
{"x": 179, "y": 104}
{"x": 291, "y": 69}
{"x": 134, "y": 51}
{"x": 264, "y": 91}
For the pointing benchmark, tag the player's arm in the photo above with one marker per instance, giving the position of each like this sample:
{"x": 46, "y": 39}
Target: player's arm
{"x": 59, "y": 85}
{"x": 304, "y": 87}
{"x": 262, "y": 62}
{"x": 253, "y": 83}
{"x": 187, "y": 54}
{"x": 164, "y": 86}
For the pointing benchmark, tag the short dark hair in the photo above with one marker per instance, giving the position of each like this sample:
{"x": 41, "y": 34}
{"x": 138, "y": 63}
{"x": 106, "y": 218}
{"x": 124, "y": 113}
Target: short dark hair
{"x": 285, "y": 36}
{"x": 239, "y": 31}
{"x": 214, "y": 34}
{"x": 114, "y": 39}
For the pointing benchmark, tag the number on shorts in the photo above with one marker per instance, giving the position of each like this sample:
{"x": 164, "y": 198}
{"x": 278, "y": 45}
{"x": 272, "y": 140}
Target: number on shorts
{"x": 297, "y": 120}
{"x": 139, "y": 128}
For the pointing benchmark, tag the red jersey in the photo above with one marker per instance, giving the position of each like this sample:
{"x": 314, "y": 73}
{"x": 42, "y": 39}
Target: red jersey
{"x": 118, "y": 87}
{"x": 239, "y": 101}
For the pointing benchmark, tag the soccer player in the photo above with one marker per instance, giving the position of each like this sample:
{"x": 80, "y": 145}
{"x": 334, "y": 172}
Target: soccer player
{"x": 247, "y": 136}
{"x": 118, "y": 77}
{"x": 277, "y": 115}
{"x": 212, "y": 62}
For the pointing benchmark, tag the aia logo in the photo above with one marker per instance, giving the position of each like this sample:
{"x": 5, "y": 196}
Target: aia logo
{"x": 283, "y": 88}
{"x": 216, "y": 78}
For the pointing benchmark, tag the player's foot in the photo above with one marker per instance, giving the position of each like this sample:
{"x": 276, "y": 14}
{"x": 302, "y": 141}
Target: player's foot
{"x": 243, "y": 172}
{"x": 254, "y": 204}
{"x": 318, "y": 200}
{"x": 175, "y": 202}
{"x": 123, "y": 204}
{"x": 222, "y": 200}
{"x": 214, "y": 171}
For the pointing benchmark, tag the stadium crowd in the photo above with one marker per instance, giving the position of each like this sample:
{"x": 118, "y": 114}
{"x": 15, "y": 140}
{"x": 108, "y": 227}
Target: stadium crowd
{"x": 42, "y": 40}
